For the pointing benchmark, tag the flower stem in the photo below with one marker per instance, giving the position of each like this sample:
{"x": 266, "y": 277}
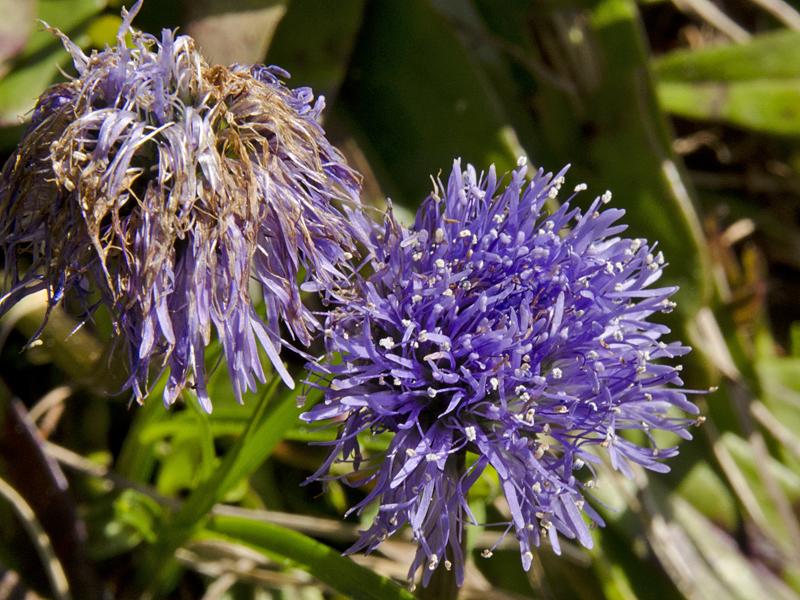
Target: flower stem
{"x": 443, "y": 584}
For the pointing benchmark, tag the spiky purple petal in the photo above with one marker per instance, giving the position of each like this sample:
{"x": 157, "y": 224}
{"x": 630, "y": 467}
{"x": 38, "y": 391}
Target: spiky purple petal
{"x": 495, "y": 335}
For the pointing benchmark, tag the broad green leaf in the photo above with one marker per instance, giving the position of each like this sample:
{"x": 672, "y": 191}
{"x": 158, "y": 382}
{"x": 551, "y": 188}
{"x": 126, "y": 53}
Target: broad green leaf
{"x": 314, "y": 43}
{"x": 292, "y": 549}
{"x": 236, "y": 31}
{"x": 765, "y": 105}
{"x": 755, "y": 85}
{"x": 774, "y": 55}
{"x": 416, "y": 101}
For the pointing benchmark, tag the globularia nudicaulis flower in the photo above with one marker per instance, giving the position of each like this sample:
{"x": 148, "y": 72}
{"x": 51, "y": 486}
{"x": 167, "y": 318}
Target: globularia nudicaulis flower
{"x": 162, "y": 187}
{"x": 495, "y": 335}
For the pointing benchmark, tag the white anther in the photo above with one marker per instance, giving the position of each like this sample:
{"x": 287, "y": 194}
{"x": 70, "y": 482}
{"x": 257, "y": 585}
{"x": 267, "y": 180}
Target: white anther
{"x": 606, "y": 197}
{"x": 470, "y": 432}
{"x": 439, "y": 262}
{"x": 581, "y": 187}
{"x": 556, "y": 373}
{"x": 387, "y": 342}
{"x": 432, "y": 392}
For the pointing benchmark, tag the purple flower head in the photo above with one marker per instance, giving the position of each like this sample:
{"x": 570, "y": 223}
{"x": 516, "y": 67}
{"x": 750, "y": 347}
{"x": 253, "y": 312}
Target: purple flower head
{"x": 165, "y": 189}
{"x": 493, "y": 335}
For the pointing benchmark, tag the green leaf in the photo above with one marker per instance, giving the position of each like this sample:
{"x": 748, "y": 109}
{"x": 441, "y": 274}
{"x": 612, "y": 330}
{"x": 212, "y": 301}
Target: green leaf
{"x": 137, "y": 457}
{"x": 789, "y": 481}
{"x": 729, "y": 564}
{"x": 754, "y": 85}
{"x": 15, "y": 27}
{"x": 236, "y": 31}
{"x": 704, "y": 489}
{"x": 768, "y": 106}
{"x": 293, "y": 549}
{"x": 36, "y": 67}
{"x": 273, "y": 417}
{"x": 416, "y": 101}
{"x": 138, "y": 512}
{"x": 314, "y": 43}
{"x": 773, "y": 55}
{"x": 584, "y": 78}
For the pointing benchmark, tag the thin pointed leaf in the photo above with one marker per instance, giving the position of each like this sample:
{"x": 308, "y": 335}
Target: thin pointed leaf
{"x": 294, "y": 549}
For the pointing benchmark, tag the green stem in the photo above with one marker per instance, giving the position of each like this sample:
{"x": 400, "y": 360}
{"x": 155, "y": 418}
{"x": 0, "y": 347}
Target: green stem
{"x": 272, "y": 418}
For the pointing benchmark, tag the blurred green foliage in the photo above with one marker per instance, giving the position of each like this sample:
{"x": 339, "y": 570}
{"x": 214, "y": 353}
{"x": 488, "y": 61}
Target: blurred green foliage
{"x": 696, "y": 135}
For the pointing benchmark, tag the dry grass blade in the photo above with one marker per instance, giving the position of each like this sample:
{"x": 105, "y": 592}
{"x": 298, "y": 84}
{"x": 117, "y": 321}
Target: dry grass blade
{"x": 769, "y": 422}
{"x": 782, "y": 11}
{"x": 714, "y": 16}
{"x": 50, "y": 563}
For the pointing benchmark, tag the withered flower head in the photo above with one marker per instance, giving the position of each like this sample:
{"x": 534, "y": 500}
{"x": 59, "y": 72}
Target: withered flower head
{"x": 163, "y": 187}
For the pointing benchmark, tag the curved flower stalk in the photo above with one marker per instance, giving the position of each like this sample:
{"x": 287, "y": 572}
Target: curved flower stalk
{"x": 493, "y": 335}
{"x": 161, "y": 187}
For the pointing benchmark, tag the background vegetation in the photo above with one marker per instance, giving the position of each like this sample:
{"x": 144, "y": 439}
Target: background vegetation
{"x": 688, "y": 110}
